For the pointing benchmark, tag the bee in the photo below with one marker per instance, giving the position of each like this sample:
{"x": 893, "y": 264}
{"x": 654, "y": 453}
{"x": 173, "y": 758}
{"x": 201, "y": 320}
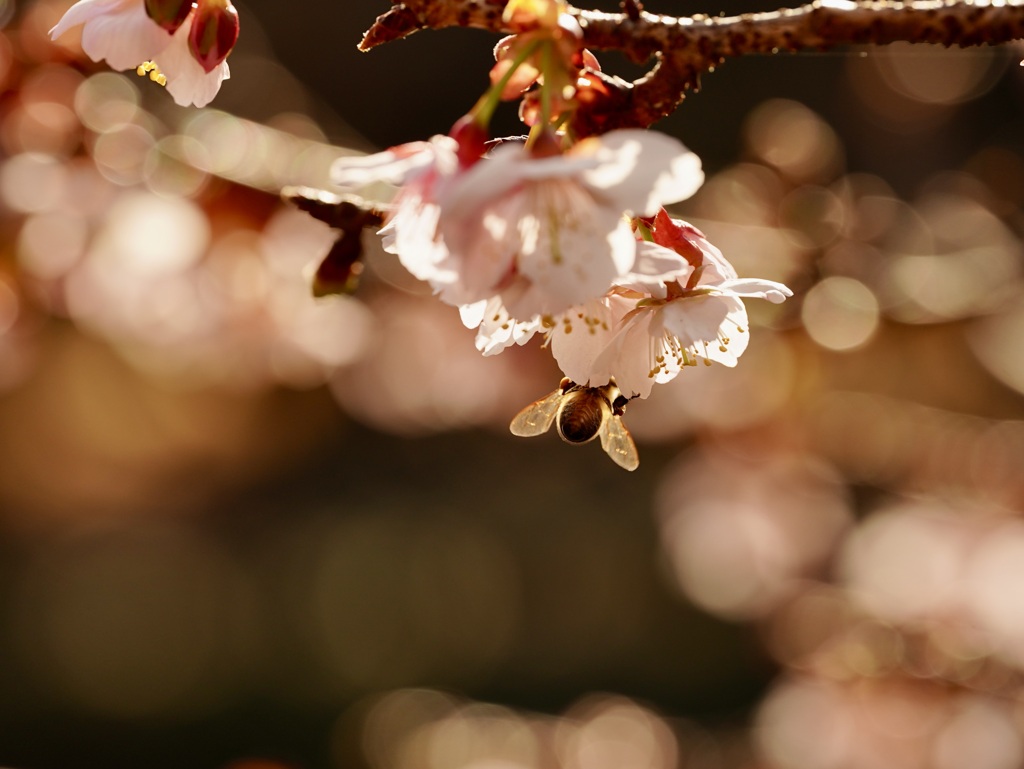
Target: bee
{"x": 580, "y": 415}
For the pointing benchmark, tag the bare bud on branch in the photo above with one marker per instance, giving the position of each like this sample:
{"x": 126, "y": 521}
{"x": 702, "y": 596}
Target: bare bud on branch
{"x": 686, "y": 47}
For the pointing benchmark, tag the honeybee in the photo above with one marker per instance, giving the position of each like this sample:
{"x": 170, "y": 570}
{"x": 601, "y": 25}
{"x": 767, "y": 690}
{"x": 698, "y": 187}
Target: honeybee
{"x": 580, "y": 415}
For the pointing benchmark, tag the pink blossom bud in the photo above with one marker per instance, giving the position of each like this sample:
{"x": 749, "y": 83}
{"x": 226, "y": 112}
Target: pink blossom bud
{"x": 214, "y": 32}
{"x": 169, "y": 14}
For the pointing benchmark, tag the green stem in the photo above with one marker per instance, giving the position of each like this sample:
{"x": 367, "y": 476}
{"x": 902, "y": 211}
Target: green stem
{"x": 545, "y": 88}
{"x": 484, "y": 109}
{"x": 544, "y": 122}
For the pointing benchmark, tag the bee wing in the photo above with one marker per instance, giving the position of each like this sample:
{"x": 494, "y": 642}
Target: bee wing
{"x": 618, "y": 444}
{"x": 536, "y": 418}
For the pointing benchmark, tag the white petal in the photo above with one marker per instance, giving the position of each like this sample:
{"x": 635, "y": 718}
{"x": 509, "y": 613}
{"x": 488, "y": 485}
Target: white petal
{"x": 396, "y": 165}
{"x": 716, "y": 267}
{"x": 633, "y": 353}
{"x": 756, "y": 288}
{"x": 187, "y": 81}
{"x": 654, "y": 267}
{"x": 506, "y": 168}
{"x": 571, "y": 252}
{"x": 411, "y": 233}
{"x": 497, "y": 330}
{"x": 124, "y": 36}
{"x": 84, "y": 10}
{"x": 735, "y": 337}
{"x": 579, "y": 337}
{"x": 640, "y": 171}
{"x": 473, "y": 314}
{"x": 695, "y": 319}
{"x": 659, "y": 263}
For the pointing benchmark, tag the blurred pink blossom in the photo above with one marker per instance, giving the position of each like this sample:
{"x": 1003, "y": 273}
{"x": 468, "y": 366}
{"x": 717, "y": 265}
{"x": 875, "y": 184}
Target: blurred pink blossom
{"x": 121, "y": 33}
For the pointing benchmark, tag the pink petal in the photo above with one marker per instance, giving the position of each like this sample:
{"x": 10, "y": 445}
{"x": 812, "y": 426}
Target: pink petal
{"x": 122, "y": 35}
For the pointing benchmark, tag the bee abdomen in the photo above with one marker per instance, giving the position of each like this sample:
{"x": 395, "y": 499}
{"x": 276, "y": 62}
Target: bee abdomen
{"x": 579, "y": 422}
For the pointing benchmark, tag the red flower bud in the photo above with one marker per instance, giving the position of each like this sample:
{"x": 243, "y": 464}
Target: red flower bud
{"x": 214, "y": 32}
{"x": 472, "y": 140}
{"x": 169, "y": 14}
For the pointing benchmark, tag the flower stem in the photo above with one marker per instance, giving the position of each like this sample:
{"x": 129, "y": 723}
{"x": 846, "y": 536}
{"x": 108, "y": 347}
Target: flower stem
{"x": 483, "y": 111}
{"x": 544, "y": 121}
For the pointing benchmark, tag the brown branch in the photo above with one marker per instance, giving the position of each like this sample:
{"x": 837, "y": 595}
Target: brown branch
{"x": 686, "y": 47}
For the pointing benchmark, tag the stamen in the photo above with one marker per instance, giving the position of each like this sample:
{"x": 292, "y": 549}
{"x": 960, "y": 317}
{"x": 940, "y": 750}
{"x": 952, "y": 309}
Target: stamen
{"x": 150, "y": 68}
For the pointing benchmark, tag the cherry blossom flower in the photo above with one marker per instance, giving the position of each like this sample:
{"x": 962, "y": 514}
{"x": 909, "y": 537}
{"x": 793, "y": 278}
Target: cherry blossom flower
{"x": 498, "y": 330}
{"x": 668, "y": 313}
{"x": 546, "y": 232}
{"x": 122, "y": 33}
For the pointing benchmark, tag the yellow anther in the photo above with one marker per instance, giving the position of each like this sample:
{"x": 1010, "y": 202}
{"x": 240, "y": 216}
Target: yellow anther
{"x": 150, "y": 68}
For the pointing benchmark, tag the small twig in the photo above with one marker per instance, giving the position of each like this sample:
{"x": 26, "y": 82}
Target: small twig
{"x": 687, "y": 47}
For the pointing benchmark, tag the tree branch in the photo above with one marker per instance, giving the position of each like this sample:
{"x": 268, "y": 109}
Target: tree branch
{"x": 686, "y": 47}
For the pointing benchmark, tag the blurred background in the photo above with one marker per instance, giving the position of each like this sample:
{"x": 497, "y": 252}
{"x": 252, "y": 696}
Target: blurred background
{"x": 241, "y": 528}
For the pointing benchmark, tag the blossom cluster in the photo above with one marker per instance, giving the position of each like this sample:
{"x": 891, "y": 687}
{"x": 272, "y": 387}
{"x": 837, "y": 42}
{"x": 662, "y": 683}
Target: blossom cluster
{"x": 575, "y": 246}
{"x": 569, "y": 240}
{"x": 178, "y": 43}
{"x": 563, "y": 237}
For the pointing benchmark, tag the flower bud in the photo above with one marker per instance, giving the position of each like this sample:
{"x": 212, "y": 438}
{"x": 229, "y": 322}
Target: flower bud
{"x": 214, "y": 32}
{"x": 471, "y": 138}
{"x": 526, "y": 14}
{"x": 169, "y": 14}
